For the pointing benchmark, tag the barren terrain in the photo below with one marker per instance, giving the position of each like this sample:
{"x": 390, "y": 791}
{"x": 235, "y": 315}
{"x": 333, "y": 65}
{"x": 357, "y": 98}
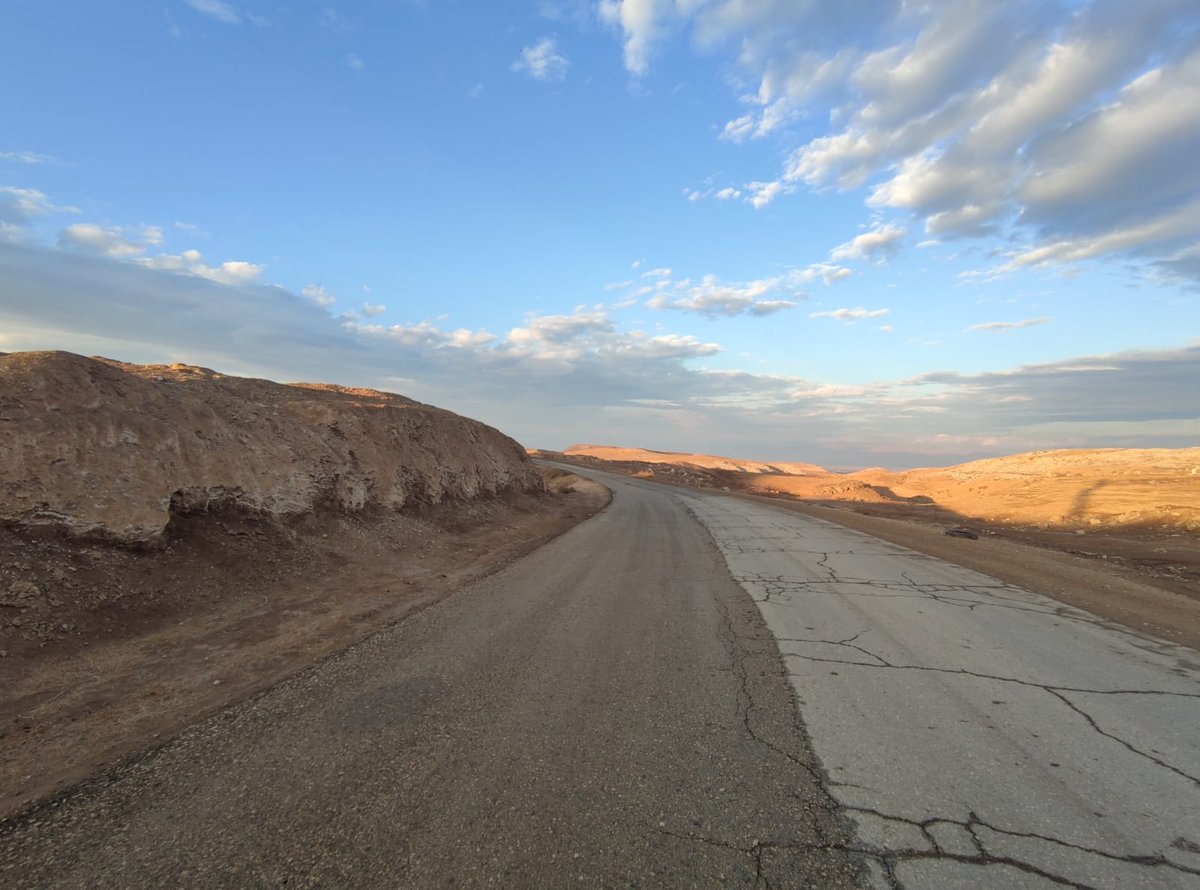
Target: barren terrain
{"x": 1112, "y": 531}
{"x": 112, "y": 451}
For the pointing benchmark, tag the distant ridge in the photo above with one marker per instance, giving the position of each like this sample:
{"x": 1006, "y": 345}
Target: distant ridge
{"x": 703, "y": 461}
{"x": 1083, "y": 489}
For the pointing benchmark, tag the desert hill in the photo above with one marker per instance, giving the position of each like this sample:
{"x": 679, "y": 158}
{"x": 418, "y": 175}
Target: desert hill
{"x": 701, "y": 461}
{"x": 1064, "y": 489}
{"x": 110, "y": 450}
{"x": 1076, "y": 488}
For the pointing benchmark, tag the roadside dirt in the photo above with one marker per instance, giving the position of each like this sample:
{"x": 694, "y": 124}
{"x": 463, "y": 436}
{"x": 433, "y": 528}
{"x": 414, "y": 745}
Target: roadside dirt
{"x": 105, "y": 651}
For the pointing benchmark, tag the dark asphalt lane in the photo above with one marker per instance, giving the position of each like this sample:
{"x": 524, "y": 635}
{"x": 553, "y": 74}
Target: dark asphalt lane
{"x": 610, "y": 711}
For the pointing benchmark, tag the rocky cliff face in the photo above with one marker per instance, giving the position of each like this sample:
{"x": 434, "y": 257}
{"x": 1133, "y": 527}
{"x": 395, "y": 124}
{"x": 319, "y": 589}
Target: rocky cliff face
{"x": 112, "y": 450}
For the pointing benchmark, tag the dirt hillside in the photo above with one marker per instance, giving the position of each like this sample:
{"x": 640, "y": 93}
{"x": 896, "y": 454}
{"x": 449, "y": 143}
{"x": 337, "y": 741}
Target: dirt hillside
{"x": 701, "y": 461}
{"x": 113, "y": 451}
{"x": 1152, "y": 489}
{"x": 1069, "y": 489}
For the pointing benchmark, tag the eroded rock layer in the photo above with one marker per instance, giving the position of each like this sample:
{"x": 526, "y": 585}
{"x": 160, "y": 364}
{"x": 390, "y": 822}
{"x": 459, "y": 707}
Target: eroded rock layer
{"x": 112, "y": 450}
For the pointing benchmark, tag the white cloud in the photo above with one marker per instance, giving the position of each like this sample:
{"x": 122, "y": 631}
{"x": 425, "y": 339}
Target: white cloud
{"x": 1000, "y": 326}
{"x": 711, "y": 297}
{"x": 878, "y": 243}
{"x": 763, "y": 193}
{"x": 152, "y": 235}
{"x": 1068, "y": 126}
{"x": 216, "y": 9}
{"x": 641, "y": 23}
{"x": 542, "y": 61}
{"x": 319, "y": 295}
{"x": 20, "y": 206}
{"x": 98, "y": 239}
{"x": 191, "y": 262}
{"x": 829, "y": 273}
{"x": 371, "y": 310}
{"x": 27, "y": 157}
{"x": 850, "y": 315}
{"x": 355, "y": 62}
{"x": 559, "y": 337}
{"x": 554, "y": 378}
{"x": 1166, "y": 230}
{"x": 463, "y": 338}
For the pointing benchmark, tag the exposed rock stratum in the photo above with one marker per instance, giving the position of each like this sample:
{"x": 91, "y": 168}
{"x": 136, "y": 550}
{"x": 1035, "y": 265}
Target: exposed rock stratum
{"x": 104, "y": 449}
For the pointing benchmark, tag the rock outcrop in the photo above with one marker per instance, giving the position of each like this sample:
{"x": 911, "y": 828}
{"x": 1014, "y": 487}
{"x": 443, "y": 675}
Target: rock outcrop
{"x": 110, "y": 450}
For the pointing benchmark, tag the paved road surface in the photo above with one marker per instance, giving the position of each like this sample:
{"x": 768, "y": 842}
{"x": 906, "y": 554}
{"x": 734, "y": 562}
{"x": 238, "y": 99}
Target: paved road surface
{"x": 978, "y": 735}
{"x": 611, "y": 711}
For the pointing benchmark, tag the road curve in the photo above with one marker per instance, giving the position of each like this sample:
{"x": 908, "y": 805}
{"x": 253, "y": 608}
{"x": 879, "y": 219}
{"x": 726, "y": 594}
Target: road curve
{"x": 978, "y": 735}
{"x": 610, "y": 711}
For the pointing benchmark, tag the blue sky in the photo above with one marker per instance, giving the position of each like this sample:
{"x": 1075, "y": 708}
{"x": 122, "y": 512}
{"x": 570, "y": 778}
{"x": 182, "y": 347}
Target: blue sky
{"x": 855, "y": 233}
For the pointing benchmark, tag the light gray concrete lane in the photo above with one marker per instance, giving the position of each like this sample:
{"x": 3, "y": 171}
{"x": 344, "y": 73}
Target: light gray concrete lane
{"x": 980, "y": 735}
{"x": 608, "y": 712}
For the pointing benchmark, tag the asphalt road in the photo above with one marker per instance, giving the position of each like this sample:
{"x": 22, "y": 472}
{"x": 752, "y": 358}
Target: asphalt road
{"x": 686, "y": 690}
{"x": 610, "y": 711}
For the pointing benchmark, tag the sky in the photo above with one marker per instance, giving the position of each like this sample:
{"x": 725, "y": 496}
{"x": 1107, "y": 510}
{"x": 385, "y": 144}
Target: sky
{"x": 863, "y": 233}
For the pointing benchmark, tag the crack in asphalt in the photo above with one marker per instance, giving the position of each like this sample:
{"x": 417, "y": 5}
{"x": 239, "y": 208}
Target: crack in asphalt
{"x": 1108, "y": 735}
{"x": 984, "y": 857}
{"x": 772, "y": 586}
{"x": 730, "y": 542}
{"x": 888, "y": 859}
{"x": 1056, "y": 691}
{"x": 884, "y": 663}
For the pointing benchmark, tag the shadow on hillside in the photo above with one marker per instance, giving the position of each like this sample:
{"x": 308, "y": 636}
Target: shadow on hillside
{"x": 884, "y": 491}
{"x": 1083, "y": 500}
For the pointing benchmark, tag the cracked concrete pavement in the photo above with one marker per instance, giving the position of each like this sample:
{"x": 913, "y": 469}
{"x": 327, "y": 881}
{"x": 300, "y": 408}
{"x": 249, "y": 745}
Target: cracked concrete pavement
{"x": 610, "y": 711}
{"x": 977, "y": 734}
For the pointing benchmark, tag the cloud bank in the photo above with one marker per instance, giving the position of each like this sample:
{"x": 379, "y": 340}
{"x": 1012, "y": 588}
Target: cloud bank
{"x": 1070, "y": 129}
{"x": 555, "y": 378}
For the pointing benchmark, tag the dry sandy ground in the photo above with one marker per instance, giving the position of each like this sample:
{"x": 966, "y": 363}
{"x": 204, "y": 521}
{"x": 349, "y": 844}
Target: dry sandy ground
{"x": 108, "y": 650}
{"x": 1047, "y": 522}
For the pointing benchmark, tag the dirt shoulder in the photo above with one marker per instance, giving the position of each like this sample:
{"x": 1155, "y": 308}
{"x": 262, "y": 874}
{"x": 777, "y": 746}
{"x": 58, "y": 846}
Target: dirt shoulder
{"x": 107, "y": 651}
